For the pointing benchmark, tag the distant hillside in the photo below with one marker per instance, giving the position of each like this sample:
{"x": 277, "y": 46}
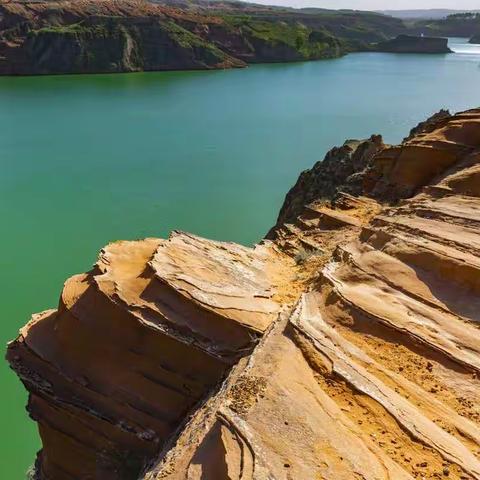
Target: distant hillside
{"x": 91, "y": 36}
{"x": 456, "y": 25}
{"x": 431, "y": 14}
{"x": 356, "y": 29}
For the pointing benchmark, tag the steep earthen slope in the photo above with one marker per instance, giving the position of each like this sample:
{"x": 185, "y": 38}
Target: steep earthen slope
{"x": 346, "y": 347}
{"x": 91, "y": 36}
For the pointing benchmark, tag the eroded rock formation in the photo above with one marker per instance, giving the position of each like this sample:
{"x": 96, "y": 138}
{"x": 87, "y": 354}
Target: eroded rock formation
{"x": 342, "y": 169}
{"x": 428, "y": 125}
{"x": 347, "y": 346}
{"x": 134, "y": 345}
{"x": 91, "y": 36}
{"x": 414, "y": 44}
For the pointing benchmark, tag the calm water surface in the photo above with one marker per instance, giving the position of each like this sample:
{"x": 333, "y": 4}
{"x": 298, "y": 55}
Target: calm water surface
{"x": 89, "y": 159}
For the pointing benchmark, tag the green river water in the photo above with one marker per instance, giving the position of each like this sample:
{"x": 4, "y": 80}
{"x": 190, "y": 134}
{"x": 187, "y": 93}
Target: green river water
{"x": 85, "y": 160}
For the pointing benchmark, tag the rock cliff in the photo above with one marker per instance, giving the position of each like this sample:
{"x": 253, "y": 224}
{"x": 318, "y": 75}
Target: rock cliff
{"x": 346, "y": 346}
{"x": 91, "y": 36}
{"x": 428, "y": 125}
{"x": 413, "y": 44}
{"x": 104, "y": 36}
{"x": 344, "y": 169}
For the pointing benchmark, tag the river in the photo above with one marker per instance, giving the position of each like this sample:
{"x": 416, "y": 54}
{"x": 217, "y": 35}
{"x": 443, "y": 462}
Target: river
{"x": 90, "y": 159}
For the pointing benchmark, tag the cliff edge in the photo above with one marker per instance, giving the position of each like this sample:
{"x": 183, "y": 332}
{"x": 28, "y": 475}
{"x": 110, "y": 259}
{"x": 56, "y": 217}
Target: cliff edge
{"x": 414, "y": 44}
{"x": 344, "y": 346}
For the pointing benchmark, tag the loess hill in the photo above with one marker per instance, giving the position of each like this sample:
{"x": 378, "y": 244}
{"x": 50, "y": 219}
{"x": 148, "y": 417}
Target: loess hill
{"x": 90, "y": 36}
{"x": 346, "y": 345}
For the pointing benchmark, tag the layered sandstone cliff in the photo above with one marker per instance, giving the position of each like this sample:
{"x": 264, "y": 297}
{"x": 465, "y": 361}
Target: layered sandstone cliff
{"x": 346, "y": 346}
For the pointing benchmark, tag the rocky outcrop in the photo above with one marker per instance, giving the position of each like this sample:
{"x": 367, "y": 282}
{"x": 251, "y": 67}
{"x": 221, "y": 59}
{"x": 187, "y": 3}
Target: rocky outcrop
{"x": 135, "y": 345}
{"x": 93, "y": 36}
{"x": 345, "y": 348}
{"x": 354, "y": 168}
{"x": 104, "y": 36}
{"x": 414, "y": 44}
{"x": 427, "y": 125}
{"x": 401, "y": 171}
{"x": 373, "y": 373}
{"x": 475, "y": 39}
{"x": 341, "y": 170}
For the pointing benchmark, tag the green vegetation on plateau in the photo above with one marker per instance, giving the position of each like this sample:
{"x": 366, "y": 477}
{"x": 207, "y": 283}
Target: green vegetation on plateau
{"x": 189, "y": 40}
{"x": 302, "y": 41}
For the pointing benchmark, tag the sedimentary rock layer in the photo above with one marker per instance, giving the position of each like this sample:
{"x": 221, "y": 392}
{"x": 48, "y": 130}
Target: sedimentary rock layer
{"x": 134, "y": 345}
{"x": 345, "y": 347}
{"x": 341, "y": 170}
